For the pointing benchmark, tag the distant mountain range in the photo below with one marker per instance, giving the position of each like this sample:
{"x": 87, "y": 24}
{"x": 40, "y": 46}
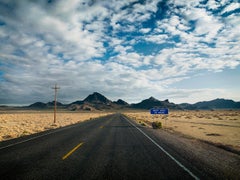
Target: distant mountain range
{"x": 97, "y": 101}
{"x": 153, "y": 102}
{"x": 44, "y": 105}
{"x": 214, "y": 104}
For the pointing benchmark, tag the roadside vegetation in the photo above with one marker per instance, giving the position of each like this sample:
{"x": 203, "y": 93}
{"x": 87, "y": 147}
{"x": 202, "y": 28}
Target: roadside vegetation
{"x": 156, "y": 125}
{"x": 220, "y": 127}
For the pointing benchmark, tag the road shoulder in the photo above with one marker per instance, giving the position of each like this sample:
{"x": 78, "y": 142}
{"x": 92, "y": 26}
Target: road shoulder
{"x": 203, "y": 156}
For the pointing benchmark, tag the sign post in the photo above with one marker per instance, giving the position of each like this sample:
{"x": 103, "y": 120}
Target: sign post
{"x": 157, "y": 111}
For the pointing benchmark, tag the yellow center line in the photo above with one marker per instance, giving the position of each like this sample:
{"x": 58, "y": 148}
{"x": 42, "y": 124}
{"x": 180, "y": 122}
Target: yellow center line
{"x": 72, "y": 151}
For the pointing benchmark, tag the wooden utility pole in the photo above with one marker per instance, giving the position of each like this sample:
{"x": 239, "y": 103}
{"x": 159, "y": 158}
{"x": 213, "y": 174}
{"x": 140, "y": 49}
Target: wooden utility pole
{"x": 55, "y": 101}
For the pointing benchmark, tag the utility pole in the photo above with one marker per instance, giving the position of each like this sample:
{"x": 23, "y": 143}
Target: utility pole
{"x": 55, "y": 101}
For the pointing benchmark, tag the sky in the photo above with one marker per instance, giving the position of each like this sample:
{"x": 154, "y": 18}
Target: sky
{"x": 181, "y": 50}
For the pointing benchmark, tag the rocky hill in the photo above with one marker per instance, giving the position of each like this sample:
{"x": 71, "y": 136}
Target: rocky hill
{"x": 41, "y": 105}
{"x": 213, "y": 104}
{"x": 153, "y": 102}
{"x": 97, "y": 101}
{"x": 97, "y": 98}
{"x": 121, "y": 102}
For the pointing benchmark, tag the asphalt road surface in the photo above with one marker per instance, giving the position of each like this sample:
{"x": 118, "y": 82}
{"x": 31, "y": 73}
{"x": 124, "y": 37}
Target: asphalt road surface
{"x": 111, "y": 147}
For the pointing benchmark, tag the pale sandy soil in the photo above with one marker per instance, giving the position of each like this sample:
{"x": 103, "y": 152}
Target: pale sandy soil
{"x": 20, "y": 123}
{"x": 221, "y": 127}
{"x": 218, "y": 127}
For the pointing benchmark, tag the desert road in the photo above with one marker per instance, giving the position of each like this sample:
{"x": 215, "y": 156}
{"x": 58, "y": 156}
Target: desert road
{"x": 111, "y": 147}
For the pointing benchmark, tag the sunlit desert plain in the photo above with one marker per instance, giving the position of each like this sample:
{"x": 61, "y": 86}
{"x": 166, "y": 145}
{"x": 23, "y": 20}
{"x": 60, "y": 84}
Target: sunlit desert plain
{"x": 220, "y": 127}
{"x": 21, "y": 123}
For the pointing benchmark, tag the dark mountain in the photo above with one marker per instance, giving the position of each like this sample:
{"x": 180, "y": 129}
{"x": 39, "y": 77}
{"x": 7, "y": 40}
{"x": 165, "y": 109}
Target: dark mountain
{"x": 153, "y": 102}
{"x": 41, "y": 105}
{"x": 121, "y": 102}
{"x": 38, "y": 105}
{"x": 188, "y": 106}
{"x": 97, "y": 98}
{"x": 52, "y": 103}
{"x": 213, "y": 104}
{"x": 147, "y": 104}
{"x": 77, "y": 102}
{"x": 95, "y": 101}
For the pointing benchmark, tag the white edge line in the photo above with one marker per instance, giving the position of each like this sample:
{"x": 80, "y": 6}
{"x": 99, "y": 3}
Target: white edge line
{"x": 56, "y": 130}
{"x": 161, "y": 148}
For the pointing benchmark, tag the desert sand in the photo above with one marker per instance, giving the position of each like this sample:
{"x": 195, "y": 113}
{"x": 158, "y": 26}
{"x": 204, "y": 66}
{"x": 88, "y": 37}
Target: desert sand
{"x": 221, "y": 127}
{"x": 16, "y": 124}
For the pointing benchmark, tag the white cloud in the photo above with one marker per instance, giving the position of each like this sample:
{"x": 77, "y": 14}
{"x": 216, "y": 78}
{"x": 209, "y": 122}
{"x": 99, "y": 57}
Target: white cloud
{"x": 122, "y": 49}
{"x": 231, "y": 7}
{"x": 137, "y": 13}
{"x": 213, "y": 4}
{"x": 158, "y": 39}
{"x": 184, "y": 3}
{"x": 92, "y": 46}
{"x": 206, "y": 23}
{"x": 145, "y": 30}
{"x": 130, "y": 59}
{"x": 36, "y": 21}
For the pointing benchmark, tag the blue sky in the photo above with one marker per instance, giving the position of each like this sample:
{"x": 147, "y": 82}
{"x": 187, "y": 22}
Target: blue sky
{"x": 184, "y": 51}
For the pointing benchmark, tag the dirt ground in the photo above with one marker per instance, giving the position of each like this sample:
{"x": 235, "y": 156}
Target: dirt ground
{"x": 221, "y": 127}
{"x": 15, "y": 124}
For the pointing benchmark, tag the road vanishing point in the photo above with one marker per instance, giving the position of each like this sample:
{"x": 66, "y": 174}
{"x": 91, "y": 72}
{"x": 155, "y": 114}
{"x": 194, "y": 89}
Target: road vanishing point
{"x": 110, "y": 147}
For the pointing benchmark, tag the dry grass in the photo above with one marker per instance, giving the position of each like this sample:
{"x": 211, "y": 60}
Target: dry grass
{"x": 17, "y": 124}
{"x": 219, "y": 127}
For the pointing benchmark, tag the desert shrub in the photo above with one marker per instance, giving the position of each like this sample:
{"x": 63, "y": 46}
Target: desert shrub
{"x": 213, "y": 134}
{"x": 5, "y": 137}
{"x": 142, "y": 123}
{"x": 156, "y": 125}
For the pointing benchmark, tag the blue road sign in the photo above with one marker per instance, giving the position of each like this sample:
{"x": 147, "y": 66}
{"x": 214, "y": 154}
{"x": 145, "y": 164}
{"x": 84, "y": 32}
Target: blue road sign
{"x": 159, "y": 111}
